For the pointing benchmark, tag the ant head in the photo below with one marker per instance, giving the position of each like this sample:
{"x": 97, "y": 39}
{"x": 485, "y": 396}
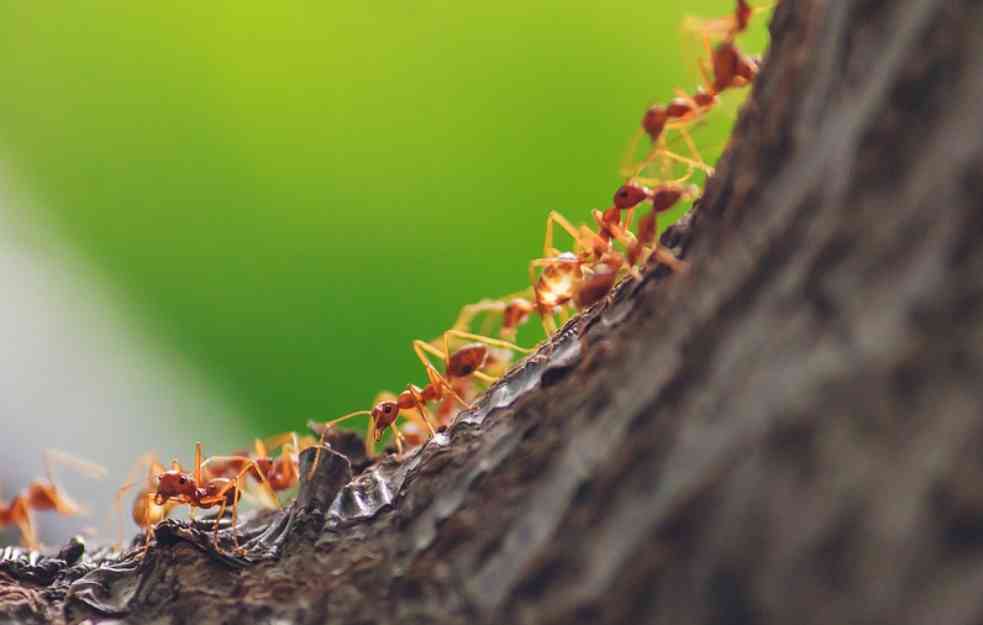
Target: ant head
{"x": 629, "y": 195}
{"x": 384, "y": 413}
{"x": 655, "y": 120}
{"x": 467, "y": 360}
{"x": 172, "y": 485}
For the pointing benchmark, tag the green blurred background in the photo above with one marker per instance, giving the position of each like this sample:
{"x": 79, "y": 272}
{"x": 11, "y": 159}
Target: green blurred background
{"x": 286, "y": 194}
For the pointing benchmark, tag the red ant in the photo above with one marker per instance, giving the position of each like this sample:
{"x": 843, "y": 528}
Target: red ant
{"x": 461, "y": 364}
{"x": 730, "y": 68}
{"x": 44, "y": 494}
{"x": 196, "y": 491}
{"x": 583, "y": 277}
{"x": 274, "y": 475}
{"x": 486, "y": 359}
{"x": 662, "y": 197}
{"x": 510, "y": 311}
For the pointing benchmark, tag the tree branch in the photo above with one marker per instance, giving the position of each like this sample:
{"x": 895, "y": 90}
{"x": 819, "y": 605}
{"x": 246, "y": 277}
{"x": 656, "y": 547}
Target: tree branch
{"x": 788, "y": 432}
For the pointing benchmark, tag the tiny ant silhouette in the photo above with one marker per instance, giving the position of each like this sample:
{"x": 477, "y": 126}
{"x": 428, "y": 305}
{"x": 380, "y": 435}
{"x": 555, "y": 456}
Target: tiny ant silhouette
{"x": 44, "y": 494}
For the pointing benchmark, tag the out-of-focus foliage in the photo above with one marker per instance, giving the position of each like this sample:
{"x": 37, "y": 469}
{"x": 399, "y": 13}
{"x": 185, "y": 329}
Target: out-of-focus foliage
{"x": 288, "y": 193}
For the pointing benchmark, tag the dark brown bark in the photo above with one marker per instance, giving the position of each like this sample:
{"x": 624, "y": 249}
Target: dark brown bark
{"x": 789, "y": 432}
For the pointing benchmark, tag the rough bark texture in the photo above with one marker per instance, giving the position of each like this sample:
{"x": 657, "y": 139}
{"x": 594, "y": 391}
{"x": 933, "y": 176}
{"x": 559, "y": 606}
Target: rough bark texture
{"x": 790, "y": 432}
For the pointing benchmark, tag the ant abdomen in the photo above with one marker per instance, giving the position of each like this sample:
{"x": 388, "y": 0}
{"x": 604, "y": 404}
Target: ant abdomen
{"x": 594, "y": 288}
{"x": 466, "y": 360}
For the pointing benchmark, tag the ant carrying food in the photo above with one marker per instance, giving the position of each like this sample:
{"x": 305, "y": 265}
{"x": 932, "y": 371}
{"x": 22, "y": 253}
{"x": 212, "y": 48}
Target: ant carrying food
{"x": 44, "y": 494}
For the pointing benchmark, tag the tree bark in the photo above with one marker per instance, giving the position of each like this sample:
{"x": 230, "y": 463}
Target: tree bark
{"x": 788, "y": 432}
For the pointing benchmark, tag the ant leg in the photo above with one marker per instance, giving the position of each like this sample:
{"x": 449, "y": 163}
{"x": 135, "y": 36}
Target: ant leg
{"x": 84, "y": 467}
{"x": 555, "y": 217}
{"x": 25, "y": 523}
{"x": 628, "y": 165}
{"x": 433, "y": 376}
{"x": 259, "y": 446}
{"x": 198, "y": 463}
{"x": 549, "y": 325}
{"x": 370, "y": 435}
{"x": 149, "y": 460}
{"x": 250, "y": 466}
{"x": 398, "y": 437}
{"x": 422, "y": 346}
{"x": 468, "y": 312}
{"x": 490, "y": 341}
{"x": 63, "y": 504}
{"x": 324, "y": 433}
{"x": 218, "y": 520}
{"x": 421, "y": 407}
{"x": 235, "y": 503}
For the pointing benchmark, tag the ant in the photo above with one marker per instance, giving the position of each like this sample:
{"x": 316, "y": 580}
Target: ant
{"x": 512, "y": 311}
{"x": 662, "y": 197}
{"x": 729, "y": 68}
{"x": 197, "y": 491}
{"x": 461, "y": 364}
{"x": 485, "y": 359}
{"x": 44, "y": 494}
{"x": 467, "y": 360}
{"x": 274, "y": 475}
{"x": 583, "y": 277}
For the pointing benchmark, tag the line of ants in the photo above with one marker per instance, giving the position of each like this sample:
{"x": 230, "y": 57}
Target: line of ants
{"x": 561, "y": 282}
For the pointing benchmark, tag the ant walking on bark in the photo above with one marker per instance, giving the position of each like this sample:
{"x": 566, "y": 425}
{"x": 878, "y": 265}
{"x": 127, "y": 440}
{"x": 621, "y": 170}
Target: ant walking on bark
{"x": 196, "y": 491}
{"x": 462, "y": 364}
{"x": 273, "y": 474}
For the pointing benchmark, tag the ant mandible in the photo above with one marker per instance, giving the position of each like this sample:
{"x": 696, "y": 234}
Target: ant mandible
{"x": 44, "y": 494}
